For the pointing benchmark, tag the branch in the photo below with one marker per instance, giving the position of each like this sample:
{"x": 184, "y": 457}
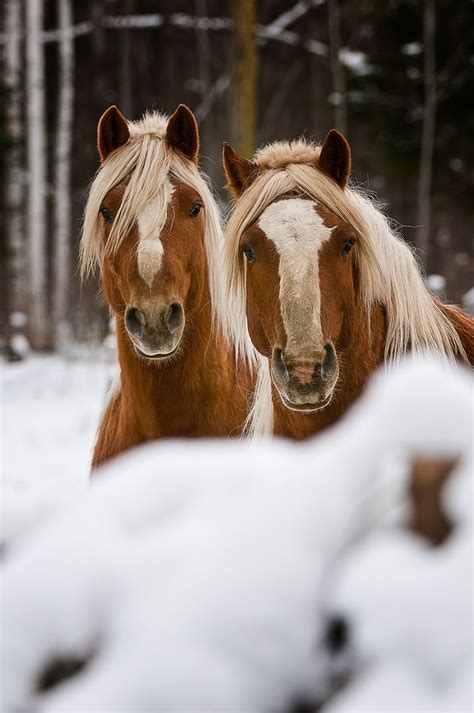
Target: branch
{"x": 274, "y": 31}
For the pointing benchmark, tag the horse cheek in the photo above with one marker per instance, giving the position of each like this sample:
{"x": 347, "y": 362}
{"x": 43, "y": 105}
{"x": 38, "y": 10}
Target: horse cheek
{"x": 257, "y": 328}
{"x": 111, "y": 289}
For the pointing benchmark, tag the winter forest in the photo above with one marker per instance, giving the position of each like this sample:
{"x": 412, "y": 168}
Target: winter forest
{"x": 236, "y": 350}
{"x": 395, "y": 77}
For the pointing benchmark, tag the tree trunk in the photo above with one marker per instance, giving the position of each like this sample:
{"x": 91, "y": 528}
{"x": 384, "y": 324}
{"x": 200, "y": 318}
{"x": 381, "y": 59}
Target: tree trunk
{"x": 125, "y": 93}
{"x": 245, "y": 84}
{"x": 428, "y": 132}
{"x": 14, "y": 174}
{"x": 62, "y": 177}
{"x": 203, "y": 54}
{"x": 99, "y": 59}
{"x": 339, "y": 94}
{"x": 36, "y": 155}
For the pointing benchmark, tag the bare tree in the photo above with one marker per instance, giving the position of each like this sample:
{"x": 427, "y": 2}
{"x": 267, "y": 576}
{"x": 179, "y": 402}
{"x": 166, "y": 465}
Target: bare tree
{"x": 428, "y": 131}
{"x": 339, "y": 95}
{"x": 203, "y": 55}
{"x": 245, "y": 85}
{"x": 125, "y": 93}
{"x": 36, "y": 159}
{"x": 62, "y": 173}
{"x": 14, "y": 174}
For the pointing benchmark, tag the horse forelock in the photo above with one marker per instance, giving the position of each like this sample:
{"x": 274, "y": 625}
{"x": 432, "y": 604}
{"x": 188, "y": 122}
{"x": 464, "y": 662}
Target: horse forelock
{"x": 389, "y": 273}
{"x": 280, "y": 154}
{"x": 146, "y": 163}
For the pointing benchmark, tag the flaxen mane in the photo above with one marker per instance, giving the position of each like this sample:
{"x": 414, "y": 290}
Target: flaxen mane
{"x": 389, "y": 273}
{"x": 146, "y": 161}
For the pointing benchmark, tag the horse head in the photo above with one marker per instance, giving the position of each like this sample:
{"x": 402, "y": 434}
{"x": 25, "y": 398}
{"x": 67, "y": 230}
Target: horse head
{"x": 150, "y": 220}
{"x": 300, "y": 280}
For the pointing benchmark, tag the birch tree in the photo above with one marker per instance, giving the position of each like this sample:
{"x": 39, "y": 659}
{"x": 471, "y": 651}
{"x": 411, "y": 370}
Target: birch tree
{"x": 62, "y": 173}
{"x": 339, "y": 95}
{"x": 36, "y": 161}
{"x": 428, "y": 131}
{"x": 13, "y": 187}
{"x": 245, "y": 101}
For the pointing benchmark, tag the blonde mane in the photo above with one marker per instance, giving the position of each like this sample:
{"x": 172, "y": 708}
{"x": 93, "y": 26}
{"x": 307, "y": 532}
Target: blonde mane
{"x": 146, "y": 161}
{"x": 389, "y": 273}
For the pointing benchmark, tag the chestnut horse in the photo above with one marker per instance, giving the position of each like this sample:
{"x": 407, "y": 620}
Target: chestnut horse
{"x": 152, "y": 227}
{"x": 326, "y": 288}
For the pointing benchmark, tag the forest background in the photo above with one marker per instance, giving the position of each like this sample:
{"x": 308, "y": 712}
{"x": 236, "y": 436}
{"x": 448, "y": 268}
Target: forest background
{"x": 396, "y": 77}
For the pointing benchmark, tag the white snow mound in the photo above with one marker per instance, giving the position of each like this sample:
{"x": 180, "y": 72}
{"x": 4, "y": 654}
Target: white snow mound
{"x": 206, "y": 576}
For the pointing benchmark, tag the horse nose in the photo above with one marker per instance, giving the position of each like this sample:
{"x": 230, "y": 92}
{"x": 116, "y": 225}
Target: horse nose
{"x": 135, "y": 321}
{"x": 174, "y": 317}
{"x": 156, "y": 322}
{"x": 321, "y": 368}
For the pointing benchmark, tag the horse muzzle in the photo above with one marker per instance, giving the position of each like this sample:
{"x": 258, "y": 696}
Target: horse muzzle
{"x": 155, "y": 331}
{"x": 305, "y": 384}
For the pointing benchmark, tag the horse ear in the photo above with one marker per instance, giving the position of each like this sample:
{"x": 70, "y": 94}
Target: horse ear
{"x": 238, "y": 170}
{"x": 112, "y": 132}
{"x": 182, "y": 132}
{"x": 335, "y": 158}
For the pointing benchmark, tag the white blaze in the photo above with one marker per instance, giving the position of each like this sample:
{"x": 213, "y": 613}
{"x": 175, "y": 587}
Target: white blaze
{"x": 298, "y": 232}
{"x": 150, "y": 224}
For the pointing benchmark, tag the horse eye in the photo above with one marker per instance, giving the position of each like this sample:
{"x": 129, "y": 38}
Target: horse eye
{"x": 106, "y": 214}
{"x": 347, "y": 247}
{"x": 195, "y": 210}
{"x": 248, "y": 252}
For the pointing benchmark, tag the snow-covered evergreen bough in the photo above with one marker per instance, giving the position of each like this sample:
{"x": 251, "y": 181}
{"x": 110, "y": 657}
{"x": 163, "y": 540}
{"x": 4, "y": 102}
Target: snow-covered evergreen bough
{"x": 259, "y": 576}
{"x": 324, "y": 285}
{"x": 152, "y": 227}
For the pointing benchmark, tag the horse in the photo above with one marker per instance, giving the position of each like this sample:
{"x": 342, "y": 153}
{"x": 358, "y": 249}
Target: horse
{"x": 152, "y": 227}
{"x": 325, "y": 286}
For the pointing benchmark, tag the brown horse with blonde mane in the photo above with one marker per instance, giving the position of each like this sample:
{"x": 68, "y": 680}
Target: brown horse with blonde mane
{"x": 326, "y": 288}
{"x": 152, "y": 227}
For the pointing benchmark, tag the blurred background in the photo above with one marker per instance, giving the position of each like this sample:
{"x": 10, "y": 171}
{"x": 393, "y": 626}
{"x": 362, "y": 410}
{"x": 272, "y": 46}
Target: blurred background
{"x": 396, "y": 77}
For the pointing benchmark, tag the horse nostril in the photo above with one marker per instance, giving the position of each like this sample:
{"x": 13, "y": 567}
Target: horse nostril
{"x": 134, "y": 321}
{"x": 329, "y": 364}
{"x": 174, "y": 318}
{"x": 279, "y": 366}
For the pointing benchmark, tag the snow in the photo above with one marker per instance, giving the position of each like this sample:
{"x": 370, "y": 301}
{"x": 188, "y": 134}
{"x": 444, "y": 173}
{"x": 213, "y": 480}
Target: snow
{"x": 204, "y": 576}
{"x": 50, "y": 413}
{"x": 412, "y": 48}
{"x": 436, "y": 282}
{"x": 20, "y": 345}
{"x": 468, "y": 298}
{"x": 356, "y": 61}
{"x": 19, "y": 320}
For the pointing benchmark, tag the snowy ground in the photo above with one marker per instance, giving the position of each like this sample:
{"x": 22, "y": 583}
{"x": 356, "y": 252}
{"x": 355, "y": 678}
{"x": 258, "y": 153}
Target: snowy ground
{"x": 230, "y": 576}
{"x": 50, "y": 412}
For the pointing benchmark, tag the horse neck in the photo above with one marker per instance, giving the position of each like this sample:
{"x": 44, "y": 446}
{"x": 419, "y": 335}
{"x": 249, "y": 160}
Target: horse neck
{"x": 464, "y": 326}
{"x": 361, "y": 354}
